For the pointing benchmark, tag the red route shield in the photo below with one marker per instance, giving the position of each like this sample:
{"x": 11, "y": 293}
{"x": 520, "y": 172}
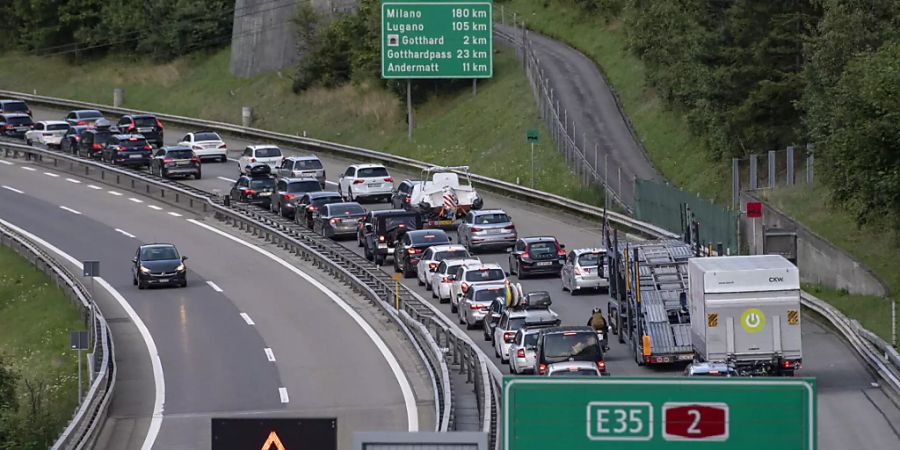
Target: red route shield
{"x": 695, "y": 421}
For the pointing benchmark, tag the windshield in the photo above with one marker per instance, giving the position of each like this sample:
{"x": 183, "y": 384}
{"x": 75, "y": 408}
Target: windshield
{"x": 57, "y": 127}
{"x": 15, "y": 107}
{"x": 133, "y": 142}
{"x": 307, "y": 164}
{"x": 372, "y": 172}
{"x": 589, "y": 259}
{"x": 574, "y": 373}
{"x": 515, "y": 323}
{"x": 102, "y": 137}
{"x": 536, "y": 249}
{"x": 488, "y": 219}
{"x": 158, "y": 253}
{"x": 145, "y": 121}
{"x": 17, "y": 121}
{"x": 407, "y": 221}
{"x": 268, "y": 152}
{"x": 531, "y": 339}
{"x": 487, "y": 295}
{"x": 89, "y": 115}
{"x": 450, "y": 254}
{"x": 338, "y": 210}
{"x": 304, "y": 186}
{"x": 326, "y": 199}
{"x": 480, "y": 275}
{"x": 206, "y": 137}
{"x": 180, "y": 154}
{"x": 263, "y": 184}
{"x": 581, "y": 346}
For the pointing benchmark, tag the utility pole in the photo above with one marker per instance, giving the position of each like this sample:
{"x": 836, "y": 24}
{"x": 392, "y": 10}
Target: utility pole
{"x": 409, "y": 110}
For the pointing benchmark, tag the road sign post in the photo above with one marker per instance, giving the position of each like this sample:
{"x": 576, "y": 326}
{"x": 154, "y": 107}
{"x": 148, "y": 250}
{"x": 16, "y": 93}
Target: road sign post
{"x": 78, "y": 340}
{"x": 532, "y": 137}
{"x": 659, "y": 413}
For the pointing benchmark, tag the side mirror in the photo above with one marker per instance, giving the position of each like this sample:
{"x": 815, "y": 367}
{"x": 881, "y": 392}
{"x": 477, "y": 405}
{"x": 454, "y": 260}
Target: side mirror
{"x": 562, "y": 245}
{"x": 368, "y": 228}
{"x": 506, "y": 273}
{"x": 509, "y": 249}
{"x": 450, "y": 238}
{"x": 184, "y": 258}
{"x": 134, "y": 260}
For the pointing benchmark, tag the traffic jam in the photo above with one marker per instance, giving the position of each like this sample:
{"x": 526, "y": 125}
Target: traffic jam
{"x": 665, "y": 303}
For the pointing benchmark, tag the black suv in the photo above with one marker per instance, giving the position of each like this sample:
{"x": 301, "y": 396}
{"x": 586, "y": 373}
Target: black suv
{"x": 381, "y": 230}
{"x": 312, "y": 202}
{"x": 410, "y": 247}
{"x": 255, "y": 186}
{"x": 536, "y": 255}
{"x": 146, "y": 125}
{"x": 561, "y": 344}
{"x": 175, "y": 160}
{"x": 15, "y": 124}
{"x": 93, "y": 140}
{"x": 127, "y": 150}
{"x": 400, "y": 197}
{"x": 70, "y": 140}
{"x": 14, "y": 106}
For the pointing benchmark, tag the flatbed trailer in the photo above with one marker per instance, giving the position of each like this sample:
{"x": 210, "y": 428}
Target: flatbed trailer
{"x": 648, "y": 307}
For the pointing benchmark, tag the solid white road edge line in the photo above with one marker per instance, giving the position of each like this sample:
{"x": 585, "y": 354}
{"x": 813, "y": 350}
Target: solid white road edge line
{"x": 12, "y": 189}
{"x": 125, "y": 232}
{"x": 226, "y": 179}
{"x": 247, "y": 319}
{"x": 158, "y": 377}
{"x": 269, "y": 354}
{"x": 214, "y": 286}
{"x": 412, "y": 410}
{"x": 282, "y": 392}
{"x": 69, "y": 210}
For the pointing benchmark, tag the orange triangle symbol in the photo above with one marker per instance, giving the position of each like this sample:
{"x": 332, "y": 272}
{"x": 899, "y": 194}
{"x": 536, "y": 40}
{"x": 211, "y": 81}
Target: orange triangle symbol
{"x": 271, "y": 441}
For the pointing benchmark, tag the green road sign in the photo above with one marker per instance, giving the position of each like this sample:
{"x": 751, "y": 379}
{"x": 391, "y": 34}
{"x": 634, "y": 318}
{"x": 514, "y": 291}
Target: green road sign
{"x": 436, "y": 39}
{"x": 659, "y": 413}
{"x": 532, "y": 135}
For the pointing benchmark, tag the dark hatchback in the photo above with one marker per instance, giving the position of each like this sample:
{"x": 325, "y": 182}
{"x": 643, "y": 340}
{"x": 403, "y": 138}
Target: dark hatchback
{"x": 15, "y": 125}
{"x": 127, "y": 150}
{"x": 146, "y": 125}
{"x": 312, "y": 202}
{"x": 536, "y": 255}
{"x": 158, "y": 265}
{"x": 14, "y": 106}
{"x": 255, "y": 188}
{"x": 72, "y": 138}
{"x": 175, "y": 160}
{"x": 410, "y": 248}
{"x": 93, "y": 140}
{"x": 338, "y": 219}
{"x": 560, "y": 344}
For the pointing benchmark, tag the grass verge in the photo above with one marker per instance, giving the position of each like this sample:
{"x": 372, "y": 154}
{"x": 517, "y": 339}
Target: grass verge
{"x": 485, "y": 131}
{"x": 676, "y": 153}
{"x": 874, "y": 313}
{"x": 35, "y": 321}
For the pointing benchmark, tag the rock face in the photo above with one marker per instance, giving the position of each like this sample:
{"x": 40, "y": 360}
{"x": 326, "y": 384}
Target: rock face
{"x": 263, "y": 36}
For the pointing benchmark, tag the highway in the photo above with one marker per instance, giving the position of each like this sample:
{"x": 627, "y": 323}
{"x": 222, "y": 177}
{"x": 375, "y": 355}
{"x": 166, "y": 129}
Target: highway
{"x": 853, "y": 412}
{"x": 247, "y": 337}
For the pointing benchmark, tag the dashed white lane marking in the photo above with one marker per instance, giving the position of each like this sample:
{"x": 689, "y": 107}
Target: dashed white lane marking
{"x": 6, "y": 162}
{"x": 95, "y": 187}
{"x": 282, "y": 392}
{"x": 70, "y": 210}
{"x": 136, "y": 200}
{"x": 269, "y": 354}
{"x": 51, "y": 174}
{"x": 72, "y": 180}
{"x": 214, "y": 286}
{"x": 226, "y": 179}
{"x": 154, "y": 207}
{"x": 235, "y": 160}
{"x": 125, "y": 233}
{"x": 174, "y": 214}
{"x": 247, "y": 319}
{"x": 12, "y": 189}
{"x": 332, "y": 183}
{"x": 30, "y": 169}
{"x": 117, "y": 194}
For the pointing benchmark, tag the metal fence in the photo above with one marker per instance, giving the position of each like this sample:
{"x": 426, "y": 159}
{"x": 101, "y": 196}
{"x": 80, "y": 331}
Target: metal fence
{"x": 680, "y": 212}
{"x": 789, "y": 167}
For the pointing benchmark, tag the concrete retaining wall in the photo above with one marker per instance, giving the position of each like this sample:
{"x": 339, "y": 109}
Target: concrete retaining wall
{"x": 819, "y": 261}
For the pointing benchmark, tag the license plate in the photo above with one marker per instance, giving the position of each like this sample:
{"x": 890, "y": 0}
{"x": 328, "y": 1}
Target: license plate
{"x": 375, "y": 185}
{"x": 265, "y": 194}
{"x": 135, "y": 156}
{"x": 494, "y": 231}
{"x": 382, "y": 245}
{"x": 163, "y": 280}
{"x": 544, "y": 263}
{"x": 22, "y": 128}
{"x": 443, "y": 222}
{"x": 144, "y": 130}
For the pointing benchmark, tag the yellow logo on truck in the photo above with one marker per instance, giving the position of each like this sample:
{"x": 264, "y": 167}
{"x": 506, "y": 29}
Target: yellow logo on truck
{"x": 753, "y": 320}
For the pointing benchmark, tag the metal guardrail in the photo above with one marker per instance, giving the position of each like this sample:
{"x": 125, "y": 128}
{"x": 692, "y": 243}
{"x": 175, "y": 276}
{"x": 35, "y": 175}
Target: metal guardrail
{"x": 84, "y": 428}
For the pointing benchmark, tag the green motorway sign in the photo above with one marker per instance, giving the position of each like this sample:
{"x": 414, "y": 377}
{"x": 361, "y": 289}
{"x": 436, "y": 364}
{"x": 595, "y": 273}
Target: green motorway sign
{"x": 659, "y": 413}
{"x": 436, "y": 39}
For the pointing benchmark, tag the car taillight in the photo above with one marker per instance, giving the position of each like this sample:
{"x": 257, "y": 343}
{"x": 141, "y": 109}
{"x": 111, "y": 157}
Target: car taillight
{"x": 159, "y": 124}
{"x": 446, "y": 280}
{"x": 195, "y": 159}
{"x": 121, "y": 149}
{"x": 389, "y": 180}
{"x": 334, "y": 221}
{"x": 560, "y": 252}
{"x": 312, "y": 208}
{"x": 507, "y": 336}
{"x": 29, "y": 112}
{"x": 601, "y": 366}
{"x": 520, "y": 353}
{"x": 287, "y": 196}
{"x": 148, "y": 147}
{"x": 130, "y": 127}
{"x": 542, "y": 369}
{"x": 359, "y": 181}
{"x": 380, "y": 238}
{"x": 252, "y": 159}
{"x": 465, "y": 287}
{"x": 77, "y": 138}
{"x": 168, "y": 160}
{"x": 82, "y": 122}
{"x": 8, "y": 126}
{"x": 476, "y": 229}
{"x": 223, "y": 146}
{"x": 474, "y": 307}
{"x": 577, "y": 271}
{"x": 406, "y": 200}
{"x": 432, "y": 266}
{"x": 249, "y": 191}
{"x": 96, "y": 146}
{"x": 196, "y": 147}
{"x": 413, "y": 251}
{"x": 510, "y": 227}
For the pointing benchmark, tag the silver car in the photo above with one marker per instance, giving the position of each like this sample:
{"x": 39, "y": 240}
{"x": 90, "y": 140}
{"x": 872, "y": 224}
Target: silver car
{"x": 521, "y": 352}
{"x": 573, "y": 369}
{"x": 585, "y": 268}
{"x": 474, "y": 305}
{"x": 487, "y": 229}
{"x": 338, "y": 219}
{"x": 302, "y": 167}
{"x": 511, "y": 320}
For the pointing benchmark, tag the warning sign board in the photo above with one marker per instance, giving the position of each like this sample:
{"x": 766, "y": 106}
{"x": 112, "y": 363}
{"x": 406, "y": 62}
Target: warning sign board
{"x": 274, "y": 434}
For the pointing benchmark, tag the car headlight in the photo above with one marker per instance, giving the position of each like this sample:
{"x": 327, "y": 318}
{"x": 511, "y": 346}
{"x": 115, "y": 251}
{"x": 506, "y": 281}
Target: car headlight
{"x": 144, "y": 270}
{"x": 180, "y": 268}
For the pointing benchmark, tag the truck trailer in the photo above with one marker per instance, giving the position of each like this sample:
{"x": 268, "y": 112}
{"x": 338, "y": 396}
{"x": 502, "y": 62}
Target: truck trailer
{"x": 745, "y": 312}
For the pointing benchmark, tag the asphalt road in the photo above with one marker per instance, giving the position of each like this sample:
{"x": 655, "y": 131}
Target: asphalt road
{"x": 584, "y": 94}
{"x": 214, "y": 361}
{"x": 853, "y": 412}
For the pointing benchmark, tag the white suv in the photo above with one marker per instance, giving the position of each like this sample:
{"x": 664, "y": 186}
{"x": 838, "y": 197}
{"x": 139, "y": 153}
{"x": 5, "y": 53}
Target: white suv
{"x": 432, "y": 257}
{"x": 468, "y": 275}
{"x": 366, "y": 180}
{"x": 265, "y": 154}
{"x": 442, "y": 278}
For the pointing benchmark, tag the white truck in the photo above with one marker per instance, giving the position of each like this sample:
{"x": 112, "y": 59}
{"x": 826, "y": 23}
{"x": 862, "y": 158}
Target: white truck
{"x": 444, "y": 195}
{"x": 745, "y": 312}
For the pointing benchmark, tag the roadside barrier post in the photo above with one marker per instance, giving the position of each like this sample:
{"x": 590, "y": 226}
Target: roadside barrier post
{"x": 396, "y": 276}
{"x": 118, "y": 97}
